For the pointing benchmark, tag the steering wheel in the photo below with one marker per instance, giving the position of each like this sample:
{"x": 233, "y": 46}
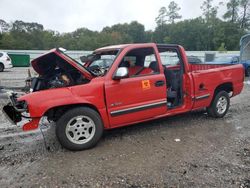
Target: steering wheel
{"x": 97, "y": 70}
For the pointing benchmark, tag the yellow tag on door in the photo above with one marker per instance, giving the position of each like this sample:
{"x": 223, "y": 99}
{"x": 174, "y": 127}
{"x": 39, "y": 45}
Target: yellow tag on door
{"x": 146, "y": 84}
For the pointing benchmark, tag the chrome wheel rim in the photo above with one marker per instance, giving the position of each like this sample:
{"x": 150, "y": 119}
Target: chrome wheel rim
{"x": 80, "y": 129}
{"x": 221, "y": 105}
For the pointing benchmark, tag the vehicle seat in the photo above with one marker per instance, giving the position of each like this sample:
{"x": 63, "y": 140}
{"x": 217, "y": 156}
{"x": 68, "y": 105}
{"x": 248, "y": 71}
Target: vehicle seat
{"x": 172, "y": 84}
{"x": 124, "y": 64}
{"x": 154, "y": 66}
{"x": 146, "y": 71}
{"x": 134, "y": 70}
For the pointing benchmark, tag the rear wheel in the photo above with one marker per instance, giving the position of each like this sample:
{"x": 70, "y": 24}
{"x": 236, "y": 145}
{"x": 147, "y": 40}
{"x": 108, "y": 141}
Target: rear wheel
{"x": 79, "y": 129}
{"x": 1, "y": 67}
{"x": 219, "y": 105}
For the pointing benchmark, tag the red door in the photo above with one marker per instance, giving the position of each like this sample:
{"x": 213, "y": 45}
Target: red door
{"x": 134, "y": 99}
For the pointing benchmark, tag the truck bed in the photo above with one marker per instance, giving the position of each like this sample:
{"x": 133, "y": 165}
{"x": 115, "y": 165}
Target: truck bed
{"x": 198, "y": 67}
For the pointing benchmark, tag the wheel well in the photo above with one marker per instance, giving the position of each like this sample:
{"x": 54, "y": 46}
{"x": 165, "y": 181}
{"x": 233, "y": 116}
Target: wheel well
{"x": 56, "y": 112}
{"x": 228, "y": 87}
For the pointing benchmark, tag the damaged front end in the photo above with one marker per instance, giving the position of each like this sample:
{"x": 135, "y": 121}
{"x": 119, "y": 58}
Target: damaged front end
{"x": 55, "y": 74}
{"x": 16, "y": 111}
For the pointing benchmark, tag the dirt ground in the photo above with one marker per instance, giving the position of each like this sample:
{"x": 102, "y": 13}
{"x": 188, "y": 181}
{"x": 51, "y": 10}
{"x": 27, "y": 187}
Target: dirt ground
{"x": 188, "y": 150}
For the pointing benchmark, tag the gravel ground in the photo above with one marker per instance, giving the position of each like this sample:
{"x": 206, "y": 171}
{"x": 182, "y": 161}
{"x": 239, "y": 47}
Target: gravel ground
{"x": 188, "y": 150}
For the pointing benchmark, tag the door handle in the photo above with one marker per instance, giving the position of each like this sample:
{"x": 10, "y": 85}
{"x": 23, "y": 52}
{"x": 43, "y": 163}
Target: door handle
{"x": 159, "y": 83}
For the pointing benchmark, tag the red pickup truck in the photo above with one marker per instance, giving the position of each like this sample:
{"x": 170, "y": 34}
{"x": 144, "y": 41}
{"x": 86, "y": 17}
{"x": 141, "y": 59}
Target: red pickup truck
{"x": 118, "y": 86}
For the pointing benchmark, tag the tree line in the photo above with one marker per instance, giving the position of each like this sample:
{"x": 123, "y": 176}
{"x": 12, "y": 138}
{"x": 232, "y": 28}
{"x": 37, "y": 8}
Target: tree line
{"x": 206, "y": 32}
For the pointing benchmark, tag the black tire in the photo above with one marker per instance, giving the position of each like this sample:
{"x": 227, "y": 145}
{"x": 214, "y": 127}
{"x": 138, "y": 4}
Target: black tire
{"x": 248, "y": 71}
{"x": 65, "y": 136}
{"x": 1, "y": 67}
{"x": 220, "y": 112}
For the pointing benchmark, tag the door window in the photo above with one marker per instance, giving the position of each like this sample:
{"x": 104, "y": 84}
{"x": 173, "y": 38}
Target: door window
{"x": 140, "y": 62}
{"x": 169, "y": 58}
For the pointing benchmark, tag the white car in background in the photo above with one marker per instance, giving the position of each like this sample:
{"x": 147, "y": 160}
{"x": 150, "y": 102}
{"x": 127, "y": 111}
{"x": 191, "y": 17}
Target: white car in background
{"x": 5, "y": 61}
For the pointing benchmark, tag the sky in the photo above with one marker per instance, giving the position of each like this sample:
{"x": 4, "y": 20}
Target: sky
{"x": 68, "y": 15}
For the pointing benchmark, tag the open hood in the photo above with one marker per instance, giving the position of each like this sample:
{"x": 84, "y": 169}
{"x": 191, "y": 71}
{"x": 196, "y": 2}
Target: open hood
{"x": 49, "y": 61}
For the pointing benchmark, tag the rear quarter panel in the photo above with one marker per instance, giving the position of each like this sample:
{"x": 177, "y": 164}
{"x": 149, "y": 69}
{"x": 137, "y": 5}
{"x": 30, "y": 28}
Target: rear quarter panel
{"x": 206, "y": 81}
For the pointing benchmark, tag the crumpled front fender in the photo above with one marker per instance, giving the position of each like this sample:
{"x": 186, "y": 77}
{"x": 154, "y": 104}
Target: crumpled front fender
{"x": 41, "y": 101}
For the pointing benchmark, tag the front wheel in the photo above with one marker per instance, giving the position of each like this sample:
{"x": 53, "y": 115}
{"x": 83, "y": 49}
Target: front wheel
{"x": 79, "y": 129}
{"x": 219, "y": 105}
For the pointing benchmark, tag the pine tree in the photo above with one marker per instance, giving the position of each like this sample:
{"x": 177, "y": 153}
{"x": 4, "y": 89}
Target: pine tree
{"x": 172, "y": 12}
{"x": 161, "y": 18}
{"x": 244, "y": 4}
{"x": 232, "y": 10}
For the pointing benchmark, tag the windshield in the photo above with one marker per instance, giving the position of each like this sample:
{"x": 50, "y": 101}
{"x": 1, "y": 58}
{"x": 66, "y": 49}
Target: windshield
{"x": 99, "y": 63}
{"x": 105, "y": 61}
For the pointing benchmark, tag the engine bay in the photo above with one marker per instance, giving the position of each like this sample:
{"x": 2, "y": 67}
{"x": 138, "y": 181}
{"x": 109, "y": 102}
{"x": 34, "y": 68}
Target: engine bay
{"x": 54, "y": 72}
{"x": 57, "y": 80}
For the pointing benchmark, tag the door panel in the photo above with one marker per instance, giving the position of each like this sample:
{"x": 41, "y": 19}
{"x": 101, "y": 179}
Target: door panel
{"x": 136, "y": 98}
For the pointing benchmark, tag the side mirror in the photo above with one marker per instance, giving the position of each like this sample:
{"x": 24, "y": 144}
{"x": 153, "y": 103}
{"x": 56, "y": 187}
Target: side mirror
{"x": 121, "y": 72}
